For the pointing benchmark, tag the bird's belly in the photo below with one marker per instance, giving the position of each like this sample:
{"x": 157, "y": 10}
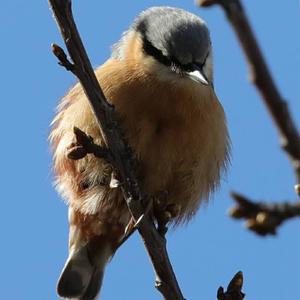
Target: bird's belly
{"x": 165, "y": 153}
{"x": 182, "y": 157}
{"x": 178, "y": 134}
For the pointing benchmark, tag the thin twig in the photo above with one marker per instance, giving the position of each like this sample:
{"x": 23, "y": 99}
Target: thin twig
{"x": 84, "y": 145}
{"x": 234, "y": 289}
{"x": 262, "y": 79}
{"x": 263, "y": 219}
{"x": 124, "y": 163}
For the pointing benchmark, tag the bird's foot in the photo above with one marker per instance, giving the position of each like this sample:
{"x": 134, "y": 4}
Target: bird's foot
{"x": 134, "y": 224}
{"x": 164, "y": 211}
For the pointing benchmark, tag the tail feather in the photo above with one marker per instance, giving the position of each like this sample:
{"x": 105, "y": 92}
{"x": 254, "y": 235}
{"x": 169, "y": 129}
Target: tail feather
{"x": 76, "y": 275}
{"x": 94, "y": 286}
{"x": 82, "y": 276}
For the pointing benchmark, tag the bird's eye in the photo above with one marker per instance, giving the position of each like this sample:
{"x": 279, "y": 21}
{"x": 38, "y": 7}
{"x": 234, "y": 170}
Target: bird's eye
{"x": 188, "y": 67}
{"x": 202, "y": 64}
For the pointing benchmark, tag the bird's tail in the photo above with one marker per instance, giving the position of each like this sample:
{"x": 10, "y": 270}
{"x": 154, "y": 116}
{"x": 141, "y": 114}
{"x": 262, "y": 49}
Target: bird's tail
{"x": 82, "y": 275}
{"x": 81, "y": 278}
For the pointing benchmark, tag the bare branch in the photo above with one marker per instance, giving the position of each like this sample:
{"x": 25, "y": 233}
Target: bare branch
{"x": 262, "y": 218}
{"x": 121, "y": 154}
{"x": 234, "y": 289}
{"x": 262, "y": 79}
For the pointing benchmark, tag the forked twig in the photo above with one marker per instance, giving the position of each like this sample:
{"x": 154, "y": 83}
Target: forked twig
{"x": 267, "y": 217}
{"x": 262, "y": 218}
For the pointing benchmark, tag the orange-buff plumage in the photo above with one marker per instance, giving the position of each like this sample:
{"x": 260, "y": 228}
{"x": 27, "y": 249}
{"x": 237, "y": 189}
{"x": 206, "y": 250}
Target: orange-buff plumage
{"x": 174, "y": 124}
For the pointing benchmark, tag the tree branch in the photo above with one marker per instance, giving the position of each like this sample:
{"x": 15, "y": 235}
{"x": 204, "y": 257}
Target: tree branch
{"x": 263, "y": 219}
{"x": 121, "y": 154}
{"x": 262, "y": 79}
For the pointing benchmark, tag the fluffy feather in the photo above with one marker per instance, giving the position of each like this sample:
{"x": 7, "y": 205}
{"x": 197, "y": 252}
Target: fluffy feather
{"x": 178, "y": 133}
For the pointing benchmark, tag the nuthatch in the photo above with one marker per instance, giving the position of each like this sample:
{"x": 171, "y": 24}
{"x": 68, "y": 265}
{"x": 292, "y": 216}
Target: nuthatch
{"x": 160, "y": 80}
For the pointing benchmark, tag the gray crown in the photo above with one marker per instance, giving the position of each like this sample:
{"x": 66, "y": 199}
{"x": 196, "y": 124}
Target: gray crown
{"x": 176, "y": 33}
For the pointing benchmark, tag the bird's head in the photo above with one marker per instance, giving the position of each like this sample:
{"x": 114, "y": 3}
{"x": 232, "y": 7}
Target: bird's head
{"x": 174, "y": 44}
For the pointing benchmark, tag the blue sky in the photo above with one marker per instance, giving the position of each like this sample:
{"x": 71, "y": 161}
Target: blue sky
{"x": 206, "y": 253}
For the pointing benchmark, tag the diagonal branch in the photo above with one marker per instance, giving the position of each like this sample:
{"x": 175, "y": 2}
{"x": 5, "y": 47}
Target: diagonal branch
{"x": 121, "y": 154}
{"x": 262, "y": 79}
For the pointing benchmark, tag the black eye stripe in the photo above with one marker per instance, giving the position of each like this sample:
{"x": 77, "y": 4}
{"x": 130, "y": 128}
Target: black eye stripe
{"x": 149, "y": 48}
{"x": 156, "y": 53}
{"x": 165, "y": 60}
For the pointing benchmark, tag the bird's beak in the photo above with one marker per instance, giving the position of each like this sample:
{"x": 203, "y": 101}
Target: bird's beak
{"x": 197, "y": 75}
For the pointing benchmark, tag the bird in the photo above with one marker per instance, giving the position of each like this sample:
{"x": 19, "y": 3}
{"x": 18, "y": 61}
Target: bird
{"x": 160, "y": 80}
